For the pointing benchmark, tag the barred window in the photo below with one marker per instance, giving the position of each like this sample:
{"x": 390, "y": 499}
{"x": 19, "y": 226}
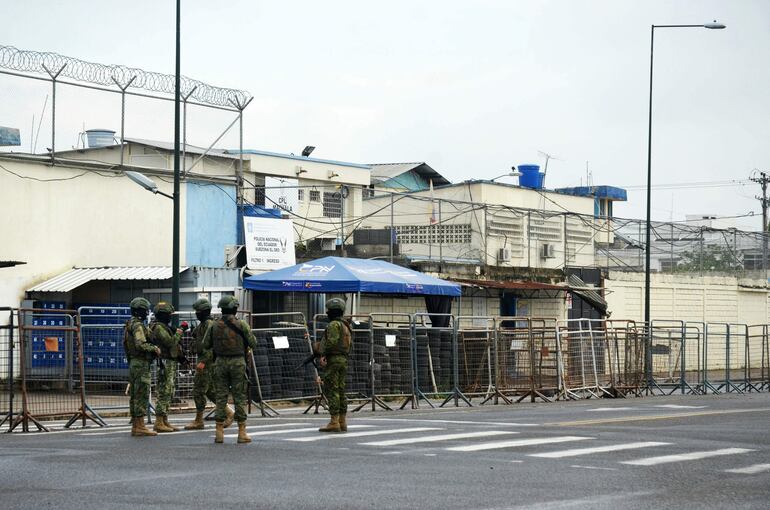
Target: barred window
{"x": 315, "y": 195}
{"x": 259, "y": 195}
{"x": 367, "y": 192}
{"x": 332, "y": 206}
{"x": 433, "y": 234}
{"x": 301, "y": 195}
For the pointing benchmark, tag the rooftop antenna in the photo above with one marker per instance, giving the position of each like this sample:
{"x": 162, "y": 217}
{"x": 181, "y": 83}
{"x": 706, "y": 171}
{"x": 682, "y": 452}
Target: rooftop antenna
{"x": 547, "y": 157}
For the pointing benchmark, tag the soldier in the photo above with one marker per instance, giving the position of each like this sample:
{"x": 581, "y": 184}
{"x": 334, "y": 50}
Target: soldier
{"x": 334, "y": 349}
{"x": 140, "y": 353}
{"x": 229, "y": 340}
{"x": 168, "y": 341}
{"x": 203, "y": 384}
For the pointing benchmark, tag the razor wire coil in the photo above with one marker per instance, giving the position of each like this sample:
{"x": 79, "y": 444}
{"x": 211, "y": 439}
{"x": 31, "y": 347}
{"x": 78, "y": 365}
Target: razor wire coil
{"x": 103, "y": 74}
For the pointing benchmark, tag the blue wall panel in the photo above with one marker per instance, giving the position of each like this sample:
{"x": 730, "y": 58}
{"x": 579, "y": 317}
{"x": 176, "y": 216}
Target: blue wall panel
{"x": 211, "y": 223}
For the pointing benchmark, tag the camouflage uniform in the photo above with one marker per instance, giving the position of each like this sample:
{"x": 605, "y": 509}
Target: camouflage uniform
{"x": 168, "y": 341}
{"x": 335, "y": 347}
{"x": 140, "y": 353}
{"x": 203, "y": 384}
{"x": 227, "y": 349}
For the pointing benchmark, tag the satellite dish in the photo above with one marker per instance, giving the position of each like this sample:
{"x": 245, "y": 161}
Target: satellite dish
{"x": 142, "y": 180}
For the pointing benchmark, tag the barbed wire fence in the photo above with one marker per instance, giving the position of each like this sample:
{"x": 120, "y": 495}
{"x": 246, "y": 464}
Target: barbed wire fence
{"x": 49, "y": 66}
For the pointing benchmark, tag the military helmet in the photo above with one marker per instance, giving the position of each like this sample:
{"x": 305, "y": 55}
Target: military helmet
{"x": 163, "y": 307}
{"x": 201, "y": 304}
{"x": 336, "y": 304}
{"x": 228, "y": 302}
{"x": 140, "y": 304}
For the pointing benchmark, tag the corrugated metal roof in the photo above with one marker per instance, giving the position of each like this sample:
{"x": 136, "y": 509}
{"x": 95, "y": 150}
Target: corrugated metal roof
{"x": 510, "y": 284}
{"x": 78, "y": 276}
{"x": 382, "y": 172}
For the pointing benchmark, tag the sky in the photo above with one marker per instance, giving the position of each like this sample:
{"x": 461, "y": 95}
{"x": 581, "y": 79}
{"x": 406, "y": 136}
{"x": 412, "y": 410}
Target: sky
{"x": 471, "y": 88}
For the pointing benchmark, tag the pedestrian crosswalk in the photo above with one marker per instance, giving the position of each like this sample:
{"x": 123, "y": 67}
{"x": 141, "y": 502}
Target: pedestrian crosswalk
{"x": 505, "y": 442}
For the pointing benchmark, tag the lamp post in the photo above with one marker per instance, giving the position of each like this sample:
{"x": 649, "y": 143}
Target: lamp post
{"x": 512, "y": 173}
{"x": 713, "y": 26}
{"x": 175, "y": 254}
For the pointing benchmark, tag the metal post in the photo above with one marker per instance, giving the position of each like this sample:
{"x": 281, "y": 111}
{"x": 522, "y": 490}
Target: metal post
{"x": 529, "y": 238}
{"x": 177, "y": 86}
{"x": 123, "y": 113}
{"x": 440, "y": 237}
{"x": 649, "y": 192}
{"x": 184, "y": 130}
{"x": 53, "y": 109}
{"x": 239, "y": 189}
{"x": 565, "y": 241}
{"x": 342, "y": 221}
{"x": 486, "y": 248}
{"x": 392, "y": 233}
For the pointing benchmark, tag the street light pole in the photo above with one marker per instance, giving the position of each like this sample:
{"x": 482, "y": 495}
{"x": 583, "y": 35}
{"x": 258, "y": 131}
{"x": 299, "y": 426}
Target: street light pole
{"x": 175, "y": 255}
{"x": 713, "y": 26}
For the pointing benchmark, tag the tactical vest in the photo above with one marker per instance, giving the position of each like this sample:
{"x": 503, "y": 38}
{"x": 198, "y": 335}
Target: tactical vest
{"x": 166, "y": 352}
{"x": 129, "y": 342}
{"x": 198, "y": 333}
{"x": 226, "y": 341}
{"x": 341, "y": 348}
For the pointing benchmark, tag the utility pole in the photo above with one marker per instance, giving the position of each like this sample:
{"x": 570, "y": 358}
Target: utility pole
{"x": 763, "y": 180}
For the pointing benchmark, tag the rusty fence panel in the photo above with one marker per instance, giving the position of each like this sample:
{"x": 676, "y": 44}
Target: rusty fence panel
{"x": 49, "y": 347}
{"x": 757, "y": 357}
{"x": 475, "y": 337}
{"x": 624, "y": 357}
{"x": 9, "y": 376}
{"x": 392, "y": 357}
{"x": 526, "y": 364}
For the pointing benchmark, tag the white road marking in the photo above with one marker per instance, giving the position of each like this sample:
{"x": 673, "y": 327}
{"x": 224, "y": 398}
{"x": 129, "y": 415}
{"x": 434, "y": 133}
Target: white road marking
{"x": 593, "y": 467}
{"x": 440, "y": 437}
{"x": 461, "y": 422}
{"x": 430, "y": 454}
{"x": 675, "y": 406}
{"x": 207, "y": 429}
{"x": 604, "y": 409}
{"x": 291, "y": 431}
{"x": 515, "y": 443}
{"x": 665, "y": 459}
{"x": 360, "y": 434}
{"x": 750, "y": 470}
{"x": 598, "y": 449}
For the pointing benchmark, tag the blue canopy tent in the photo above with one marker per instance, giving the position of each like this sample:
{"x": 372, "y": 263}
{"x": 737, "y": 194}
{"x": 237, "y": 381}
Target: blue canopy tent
{"x": 360, "y": 276}
{"x": 337, "y": 274}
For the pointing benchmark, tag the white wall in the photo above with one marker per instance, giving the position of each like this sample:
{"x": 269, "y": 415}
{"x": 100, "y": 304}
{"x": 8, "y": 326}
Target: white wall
{"x": 90, "y": 220}
{"x": 688, "y": 298}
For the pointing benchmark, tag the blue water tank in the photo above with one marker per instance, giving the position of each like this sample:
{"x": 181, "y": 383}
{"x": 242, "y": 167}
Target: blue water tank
{"x": 531, "y": 177}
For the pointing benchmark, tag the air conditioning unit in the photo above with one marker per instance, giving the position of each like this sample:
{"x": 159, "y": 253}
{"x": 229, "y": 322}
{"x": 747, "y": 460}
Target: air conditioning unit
{"x": 547, "y": 251}
{"x": 503, "y": 255}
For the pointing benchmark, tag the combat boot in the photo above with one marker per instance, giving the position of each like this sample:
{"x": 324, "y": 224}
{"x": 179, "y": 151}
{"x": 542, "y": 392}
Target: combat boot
{"x": 243, "y": 437}
{"x": 230, "y": 416}
{"x": 140, "y": 429}
{"x": 343, "y": 423}
{"x": 168, "y": 424}
{"x": 219, "y": 437}
{"x": 332, "y": 426}
{"x": 160, "y": 425}
{"x": 197, "y": 423}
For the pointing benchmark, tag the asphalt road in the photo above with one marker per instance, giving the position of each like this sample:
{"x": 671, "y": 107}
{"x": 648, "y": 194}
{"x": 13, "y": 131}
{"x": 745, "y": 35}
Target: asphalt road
{"x": 660, "y": 452}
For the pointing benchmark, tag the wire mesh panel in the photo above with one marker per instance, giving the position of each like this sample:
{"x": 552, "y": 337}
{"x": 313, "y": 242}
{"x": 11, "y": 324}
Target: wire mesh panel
{"x": 105, "y": 365}
{"x": 737, "y": 369}
{"x": 9, "y": 374}
{"x": 475, "y": 346}
{"x": 715, "y": 353}
{"x": 433, "y": 354}
{"x": 625, "y": 356}
{"x": 694, "y": 345}
{"x": 667, "y": 360}
{"x": 392, "y": 334}
{"x": 283, "y": 343}
{"x": 757, "y": 357}
{"x": 49, "y": 348}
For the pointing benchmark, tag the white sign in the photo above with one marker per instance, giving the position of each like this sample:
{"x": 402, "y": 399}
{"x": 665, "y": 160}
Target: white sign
{"x": 281, "y": 342}
{"x": 269, "y": 243}
{"x": 390, "y": 340}
{"x": 282, "y": 193}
